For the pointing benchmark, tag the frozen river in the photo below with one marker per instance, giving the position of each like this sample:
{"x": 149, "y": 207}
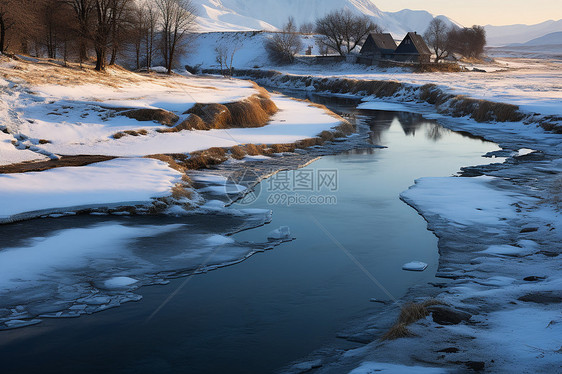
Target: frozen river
{"x": 352, "y": 234}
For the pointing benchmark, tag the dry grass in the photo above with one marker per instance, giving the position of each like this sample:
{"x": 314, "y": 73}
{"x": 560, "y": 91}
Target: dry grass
{"x": 254, "y": 111}
{"x": 181, "y": 192}
{"x": 161, "y": 116}
{"x": 120, "y": 134}
{"x": 215, "y": 116}
{"x": 485, "y": 111}
{"x": 409, "y": 313}
{"x": 397, "y": 331}
{"x": 237, "y": 152}
{"x": 205, "y": 159}
{"x": 192, "y": 122}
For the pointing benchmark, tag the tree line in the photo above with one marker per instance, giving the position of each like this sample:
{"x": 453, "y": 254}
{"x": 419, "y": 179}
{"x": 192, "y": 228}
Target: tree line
{"x": 443, "y": 40}
{"x": 80, "y": 29}
{"x": 343, "y": 32}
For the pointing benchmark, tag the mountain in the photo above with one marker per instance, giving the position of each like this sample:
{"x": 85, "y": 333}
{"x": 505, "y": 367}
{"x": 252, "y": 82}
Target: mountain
{"x": 504, "y": 35}
{"x": 244, "y": 15}
{"x": 554, "y": 38}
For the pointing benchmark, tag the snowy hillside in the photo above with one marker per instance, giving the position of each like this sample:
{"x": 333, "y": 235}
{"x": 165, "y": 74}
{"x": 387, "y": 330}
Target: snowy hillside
{"x": 243, "y": 15}
{"x": 504, "y": 35}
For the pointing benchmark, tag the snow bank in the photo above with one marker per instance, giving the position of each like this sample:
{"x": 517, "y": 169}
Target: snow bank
{"x": 119, "y": 181}
{"x": 9, "y": 154}
{"x": 462, "y": 201}
{"x": 378, "y": 367}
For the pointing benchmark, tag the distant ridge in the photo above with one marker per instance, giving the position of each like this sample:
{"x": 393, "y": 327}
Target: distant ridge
{"x": 520, "y": 34}
{"x": 245, "y": 15}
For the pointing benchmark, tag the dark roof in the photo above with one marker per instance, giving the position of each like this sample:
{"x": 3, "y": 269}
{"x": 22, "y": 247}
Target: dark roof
{"x": 417, "y": 46}
{"x": 377, "y": 41}
{"x": 383, "y": 41}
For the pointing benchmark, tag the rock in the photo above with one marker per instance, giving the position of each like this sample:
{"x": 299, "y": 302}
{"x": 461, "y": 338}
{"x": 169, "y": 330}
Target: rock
{"x": 529, "y": 229}
{"x": 414, "y": 266}
{"x": 448, "y": 350}
{"x": 533, "y": 278}
{"x": 444, "y": 315}
{"x": 541, "y": 298}
{"x": 475, "y": 365}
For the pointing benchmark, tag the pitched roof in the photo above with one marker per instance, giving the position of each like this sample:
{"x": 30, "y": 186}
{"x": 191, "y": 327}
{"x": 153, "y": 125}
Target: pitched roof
{"x": 419, "y": 43}
{"x": 383, "y": 41}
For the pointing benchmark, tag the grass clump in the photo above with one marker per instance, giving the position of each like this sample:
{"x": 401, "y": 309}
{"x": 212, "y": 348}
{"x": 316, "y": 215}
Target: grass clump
{"x": 409, "y": 313}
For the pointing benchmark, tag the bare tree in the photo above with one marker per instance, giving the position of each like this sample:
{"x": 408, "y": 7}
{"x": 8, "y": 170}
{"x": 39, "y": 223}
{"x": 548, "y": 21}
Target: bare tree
{"x": 469, "y": 42}
{"x": 83, "y": 11}
{"x": 121, "y": 24}
{"x": 19, "y": 21}
{"x": 307, "y": 28}
{"x": 437, "y": 39}
{"x": 343, "y": 31}
{"x": 177, "y": 19}
{"x": 221, "y": 56}
{"x": 282, "y": 47}
{"x": 144, "y": 24}
{"x": 7, "y": 21}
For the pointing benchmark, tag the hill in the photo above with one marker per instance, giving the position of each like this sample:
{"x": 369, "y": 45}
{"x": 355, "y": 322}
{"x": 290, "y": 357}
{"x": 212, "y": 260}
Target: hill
{"x": 246, "y": 15}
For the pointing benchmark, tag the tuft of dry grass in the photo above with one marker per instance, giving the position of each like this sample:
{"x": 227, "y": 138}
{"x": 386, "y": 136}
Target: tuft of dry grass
{"x": 397, "y": 331}
{"x": 409, "y": 313}
{"x": 180, "y": 192}
{"x": 205, "y": 159}
{"x": 237, "y": 152}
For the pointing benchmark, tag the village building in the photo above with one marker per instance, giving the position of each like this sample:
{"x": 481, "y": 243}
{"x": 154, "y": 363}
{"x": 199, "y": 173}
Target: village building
{"x": 377, "y": 47}
{"x": 412, "y": 49}
{"x": 382, "y": 47}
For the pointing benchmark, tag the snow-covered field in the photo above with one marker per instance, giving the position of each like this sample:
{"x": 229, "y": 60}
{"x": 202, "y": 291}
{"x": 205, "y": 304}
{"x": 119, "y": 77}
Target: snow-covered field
{"x": 533, "y": 84}
{"x": 42, "y": 121}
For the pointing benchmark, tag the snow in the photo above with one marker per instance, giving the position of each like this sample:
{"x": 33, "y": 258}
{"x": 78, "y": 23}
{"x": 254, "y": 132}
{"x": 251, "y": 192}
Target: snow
{"x": 463, "y": 201}
{"x": 282, "y": 232}
{"x": 119, "y": 282}
{"x": 414, "y": 266}
{"x": 215, "y": 240}
{"x": 240, "y": 15}
{"x": 296, "y": 120}
{"x": 383, "y": 105}
{"x": 118, "y": 181}
{"x": 9, "y": 154}
{"x": 378, "y": 367}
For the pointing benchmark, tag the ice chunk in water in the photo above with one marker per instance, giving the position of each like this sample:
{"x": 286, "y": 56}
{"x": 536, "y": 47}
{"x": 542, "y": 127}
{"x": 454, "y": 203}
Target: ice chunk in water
{"x": 119, "y": 282}
{"x": 414, "y": 266}
{"x": 282, "y": 232}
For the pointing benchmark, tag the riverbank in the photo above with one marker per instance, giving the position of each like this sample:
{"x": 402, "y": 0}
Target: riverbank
{"x": 499, "y": 243}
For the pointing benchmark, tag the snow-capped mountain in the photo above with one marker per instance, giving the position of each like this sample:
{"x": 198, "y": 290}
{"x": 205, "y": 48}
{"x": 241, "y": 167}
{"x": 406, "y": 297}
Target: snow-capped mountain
{"x": 243, "y": 15}
{"x": 504, "y": 35}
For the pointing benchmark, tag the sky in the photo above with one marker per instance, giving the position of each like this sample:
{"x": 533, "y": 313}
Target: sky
{"x": 482, "y": 12}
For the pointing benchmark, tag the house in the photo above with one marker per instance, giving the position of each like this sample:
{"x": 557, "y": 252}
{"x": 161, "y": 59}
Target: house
{"x": 377, "y": 47}
{"x": 412, "y": 49}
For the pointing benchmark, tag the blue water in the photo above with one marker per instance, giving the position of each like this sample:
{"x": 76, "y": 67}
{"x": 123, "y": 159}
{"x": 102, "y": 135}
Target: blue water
{"x": 279, "y": 305}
